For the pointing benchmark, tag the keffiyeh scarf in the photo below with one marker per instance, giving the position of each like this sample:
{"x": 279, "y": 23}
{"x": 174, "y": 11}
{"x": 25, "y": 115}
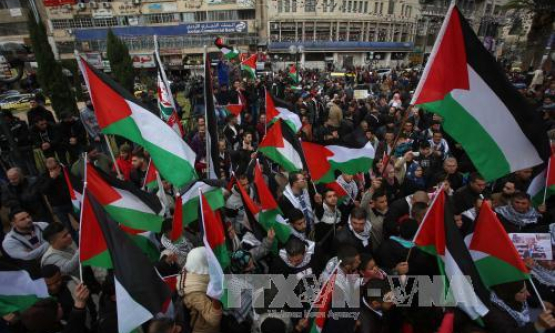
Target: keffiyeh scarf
{"x": 364, "y": 236}
{"x": 521, "y": 317}
{"x": 516, "y": 218}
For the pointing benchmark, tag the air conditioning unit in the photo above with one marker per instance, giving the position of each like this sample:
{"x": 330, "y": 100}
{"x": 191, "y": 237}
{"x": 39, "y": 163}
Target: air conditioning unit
{"x": 81, "y": 6}
{"x": 70, "y": 32}
{"x": 107, "y": 5}
{"x": 94, "y": 5}
{"x": 67, "y": 7}
{"x": 136, "y": 2}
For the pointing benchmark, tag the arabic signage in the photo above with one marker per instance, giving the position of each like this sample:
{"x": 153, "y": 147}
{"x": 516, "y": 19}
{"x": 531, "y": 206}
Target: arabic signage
{"x": 216, "y": 27}
{"x": 143, "y": 60}
{"x": 162, "y": 7}
{"x": 52, "y": 3}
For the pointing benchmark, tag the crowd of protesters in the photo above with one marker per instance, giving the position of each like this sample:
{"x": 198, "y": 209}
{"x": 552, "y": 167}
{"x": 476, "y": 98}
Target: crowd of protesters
{"x": 369, "y": 235}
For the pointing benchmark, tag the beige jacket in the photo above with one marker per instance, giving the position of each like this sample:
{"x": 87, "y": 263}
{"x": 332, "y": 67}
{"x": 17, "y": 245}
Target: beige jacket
{"x": 204, "y": 317}
{"x": 336, "y": 115}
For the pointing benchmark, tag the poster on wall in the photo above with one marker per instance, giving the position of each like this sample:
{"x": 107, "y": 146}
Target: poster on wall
{"x": 535, "y": 246}
{"x": 143, "y": 60}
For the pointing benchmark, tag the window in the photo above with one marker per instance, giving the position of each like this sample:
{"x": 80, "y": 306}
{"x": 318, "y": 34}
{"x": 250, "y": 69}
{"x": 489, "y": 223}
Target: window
{"x": 310, "y": 6}
{"x": 349, "y": 8}
{"x": 325, "y": 6}
{"x": 360, "y": 4}
{"x": 188, "y": 17}
{"x": 280, "y": 6}
{"x": 381, "y": 8}
{"x": 200, "y": 16}
{"x": 366, "y": 7}
{"x": 161, "y": 18}
{"x": 376, "y": 5}
{"x": 391, "y": 7}
{"x": 248, "y": 14}
{"x": 344, "y": 7}
{"x": 294, "y": 6}
{"x": 222, "y": 15}
{"x": 9, "y": 4}
{"x": 287, "y": 6}
{"x": 111, "y": 22}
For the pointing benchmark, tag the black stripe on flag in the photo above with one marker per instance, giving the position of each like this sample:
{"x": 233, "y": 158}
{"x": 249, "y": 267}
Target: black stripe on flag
{"x": 211, "y": 122}
{"x": 457, "y": 248}
{"x": 132, "y": 268}
{"x": 149, "y": 199}
{"x": 117, "y": 88}
{"x": 493, "y": 74}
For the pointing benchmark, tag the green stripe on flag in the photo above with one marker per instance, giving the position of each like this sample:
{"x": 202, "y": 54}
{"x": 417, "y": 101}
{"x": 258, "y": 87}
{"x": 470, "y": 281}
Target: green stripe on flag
{"x": 494, "y": 271}
{"x": 100, "y": 260}
{"x": 215, "y": 199}
{"x": 135, "y": 219}
{"x": 176, "y": 170}
{"x": 352, "y": 167}
{"x": 466, "y": 130}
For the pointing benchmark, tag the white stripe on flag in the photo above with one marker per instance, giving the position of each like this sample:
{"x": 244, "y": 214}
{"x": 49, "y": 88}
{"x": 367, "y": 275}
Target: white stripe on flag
{"x": 292, "y": 117}
{"x": 193, "y": 191}
{"x": 161, "y": 136}
{"x": 537, "y": 185}
{"x": 344, "y": 154}
{"x": 130, "y": 201}
{"x": 16, "y": 283}
{"x": 461, "y": 289}
{"x": 497, "y": 121}
{"x": 291, "y": 154}
{"x": 130, "y": 313}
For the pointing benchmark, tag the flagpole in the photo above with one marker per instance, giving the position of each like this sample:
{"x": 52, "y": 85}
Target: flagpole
{"x": 118, "y": 171}
{"x": 436, "y": 195}
{"x": 537, "y": 293}
{"x": 547, "y": 174}
{"x": 81, "y": 212}
{"x": 208, "y": 156}
{"x": 146, "y": 175}
{"x": 324, "y": 285}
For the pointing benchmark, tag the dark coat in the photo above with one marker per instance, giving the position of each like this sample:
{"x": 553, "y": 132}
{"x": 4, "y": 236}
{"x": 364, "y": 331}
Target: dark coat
{"x": 346, "y": 236}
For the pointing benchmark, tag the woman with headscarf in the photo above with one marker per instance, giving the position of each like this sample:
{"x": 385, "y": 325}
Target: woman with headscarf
{"x": 509, "y": 312}
{"x": 206, "y": 313}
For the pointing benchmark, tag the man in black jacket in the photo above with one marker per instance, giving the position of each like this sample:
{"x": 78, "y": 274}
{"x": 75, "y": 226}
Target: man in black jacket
{"x": 46, "y": 137}
{"x": 400, "y": 210}
{"x": 23, "y": 192}
{"x": 356, "y": 233}
{"x": 37, "y": 112}
{"x": 465, "y": 197}
{"x": 21, "y": 138}
{"x": 53, "y": 185}
{"x": 72, "y": 135}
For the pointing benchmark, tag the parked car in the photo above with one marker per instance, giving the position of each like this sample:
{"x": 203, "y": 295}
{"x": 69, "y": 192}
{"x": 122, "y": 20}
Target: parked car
{"x": 18, "y": 102}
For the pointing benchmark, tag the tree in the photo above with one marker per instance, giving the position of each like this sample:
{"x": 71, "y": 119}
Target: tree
{"x": 543, "y": 20}
{"x": 49, "y": 73}
{"x": 120, "y": 61}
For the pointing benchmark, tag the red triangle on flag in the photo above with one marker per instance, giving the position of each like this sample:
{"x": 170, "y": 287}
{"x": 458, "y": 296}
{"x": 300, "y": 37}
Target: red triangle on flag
{"x": 432, "y": 228}
{"x": 177, "y": 223}
{"x": 490, "y": 237}
{"x": 447, "y": 68}
{"x": 250, "y": 62}
{"x": 265, "y": 196}
{"x": 317, "y": 159}
{"x": 214, "y": 229}
{"x": 274, "y": 136}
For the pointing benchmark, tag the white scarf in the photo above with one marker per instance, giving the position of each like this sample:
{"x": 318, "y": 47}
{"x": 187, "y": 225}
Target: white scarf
{"x": 309, "y": 250}
{"x": 288, "y": 193}
{"x": 363, "y": 236}
{"x": 351, "y": 187}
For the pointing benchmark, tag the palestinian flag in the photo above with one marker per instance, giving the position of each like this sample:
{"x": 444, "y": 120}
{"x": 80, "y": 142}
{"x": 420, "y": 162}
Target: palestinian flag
{"x": 166, "y": 103}
{"x": 190, "y": 198}
{"x": 212, "y": 150}
{"x": 249, "y": 66}
{"x": 75, "y": 189}
{"x": 93, "y": 250}
{"x": 216, "y": 250}
{"x": 282, "y": 146}
{"x": 125, "y": 203}
{"x": 150, "y": 183}
{"x": 119, "y": 113}
{"x": 494, "y": 254}
{"x": 293, "y": 74}
{"x": 278, "y": 109}
{"x": 270, "y": 216}
{"x": 139, "y": 299}
{"x": 439, "y": 236}
{"x": 177, "y": 221}
{"x": 18, "y": 291}
{"x": 481, "y": 109}
{"x": 542, "y": 187}
{"x": 323, "y": 161}
{"x": 323, "y": 304}
{"x": 233, "y": 109}
{"x": 342, "y": 195}
{"x": 228, "y": 51}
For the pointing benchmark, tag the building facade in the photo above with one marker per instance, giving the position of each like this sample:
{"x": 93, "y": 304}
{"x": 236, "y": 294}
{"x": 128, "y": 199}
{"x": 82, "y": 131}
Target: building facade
{"x": 341, "y": 34}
